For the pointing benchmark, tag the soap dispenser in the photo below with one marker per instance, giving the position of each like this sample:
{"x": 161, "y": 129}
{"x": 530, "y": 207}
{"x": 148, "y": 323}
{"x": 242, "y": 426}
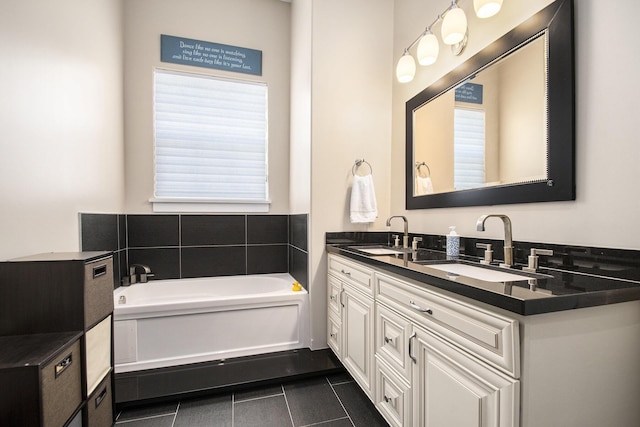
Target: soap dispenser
{"x": 453, "y": 243}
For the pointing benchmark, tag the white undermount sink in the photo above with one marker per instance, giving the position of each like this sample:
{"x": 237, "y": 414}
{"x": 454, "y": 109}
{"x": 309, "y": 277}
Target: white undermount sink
{"x": 379, "y": 251}
{"x": 479, "y": 273}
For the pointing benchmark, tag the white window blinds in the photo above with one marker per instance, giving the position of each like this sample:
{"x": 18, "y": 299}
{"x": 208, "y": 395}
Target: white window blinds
{"x": 210, "y": 138}
{"x": 469, "y": 136}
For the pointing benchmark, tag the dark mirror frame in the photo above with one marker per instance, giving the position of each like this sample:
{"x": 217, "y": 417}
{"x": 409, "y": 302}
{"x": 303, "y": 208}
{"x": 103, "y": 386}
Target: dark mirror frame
{"x": 557, "y": 19}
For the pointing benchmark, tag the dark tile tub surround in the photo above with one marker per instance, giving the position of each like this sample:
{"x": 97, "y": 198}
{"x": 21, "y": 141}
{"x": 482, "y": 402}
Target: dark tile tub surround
{"x": 182, "y": 246}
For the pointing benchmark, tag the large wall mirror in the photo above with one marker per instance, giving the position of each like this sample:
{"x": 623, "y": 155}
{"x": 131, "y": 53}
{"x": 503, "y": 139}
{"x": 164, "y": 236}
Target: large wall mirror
{"x": 499, "y": 128}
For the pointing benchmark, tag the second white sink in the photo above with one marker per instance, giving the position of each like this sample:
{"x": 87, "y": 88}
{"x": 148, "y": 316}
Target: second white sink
{"x": 379, "y": 251}
{"x": 479, "y": 273}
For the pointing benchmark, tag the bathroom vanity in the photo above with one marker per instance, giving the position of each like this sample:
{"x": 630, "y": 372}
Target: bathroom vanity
{"x": 492, "y": 347}
{"x": 56, "y": 352}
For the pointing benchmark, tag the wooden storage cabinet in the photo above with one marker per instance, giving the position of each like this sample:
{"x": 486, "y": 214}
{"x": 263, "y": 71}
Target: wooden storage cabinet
{"x": 64, "y": 293}
{"x": 40, "y": 377}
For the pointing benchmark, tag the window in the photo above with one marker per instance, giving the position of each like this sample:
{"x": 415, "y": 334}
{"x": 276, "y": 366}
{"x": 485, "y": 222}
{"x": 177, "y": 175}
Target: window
{"x": 468, "y": 150}
{"x": 210, "y": 143}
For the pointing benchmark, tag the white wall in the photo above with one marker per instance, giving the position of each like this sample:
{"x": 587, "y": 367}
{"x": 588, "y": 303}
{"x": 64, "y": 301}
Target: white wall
{"x": 61, "y": 118}
{"x": 351, "y": 79}
{"x": 257, "y": 24}
{"x": 607, "y": 208}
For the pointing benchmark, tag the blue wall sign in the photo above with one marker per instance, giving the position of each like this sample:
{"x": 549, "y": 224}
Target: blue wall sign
{"x": 469, "y": 92}
{"x": 179, "y": 50}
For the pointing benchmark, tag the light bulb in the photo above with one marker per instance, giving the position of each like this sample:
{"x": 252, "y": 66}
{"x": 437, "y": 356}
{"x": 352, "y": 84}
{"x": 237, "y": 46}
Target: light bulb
{"x": 428, "y": 49}
{"x": 454, "y": 26}
{"x": 487, "y": 8}
{"x": 406, "y": 68}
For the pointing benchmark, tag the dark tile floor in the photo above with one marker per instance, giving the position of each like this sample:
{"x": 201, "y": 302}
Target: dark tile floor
{"x": 327, "y": 401}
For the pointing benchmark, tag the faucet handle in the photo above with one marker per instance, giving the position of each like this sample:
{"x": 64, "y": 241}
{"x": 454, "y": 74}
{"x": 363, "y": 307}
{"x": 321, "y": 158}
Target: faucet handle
{"x": 414, "y": 243}
{"x": 532, "y": 265}
{"x": 488, "y": 253}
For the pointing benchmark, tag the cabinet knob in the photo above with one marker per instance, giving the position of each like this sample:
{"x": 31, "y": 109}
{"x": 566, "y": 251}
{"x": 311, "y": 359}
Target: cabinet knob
{"x": 388, "y": 340}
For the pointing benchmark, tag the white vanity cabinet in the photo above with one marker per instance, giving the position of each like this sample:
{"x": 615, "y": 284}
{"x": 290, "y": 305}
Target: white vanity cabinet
{"x": 451, "y": 364}
{"x": 351, "y": 319}
{"x": 443, "y": 360}
{"x": 424, "y": 359}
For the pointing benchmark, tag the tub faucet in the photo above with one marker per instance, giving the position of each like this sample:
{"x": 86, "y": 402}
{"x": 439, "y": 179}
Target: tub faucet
{"x": 508, "y": 241}
{"x": 144, "y": 276}
{"x": 405, "y": 238}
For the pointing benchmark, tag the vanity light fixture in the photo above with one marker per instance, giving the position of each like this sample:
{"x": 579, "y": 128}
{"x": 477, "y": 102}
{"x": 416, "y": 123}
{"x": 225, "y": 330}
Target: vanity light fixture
{"x": 406, "y": 68}
{"x": 454, "y": 32}
{"x": 486, "y": 8}
{"x": 454, "y": 25}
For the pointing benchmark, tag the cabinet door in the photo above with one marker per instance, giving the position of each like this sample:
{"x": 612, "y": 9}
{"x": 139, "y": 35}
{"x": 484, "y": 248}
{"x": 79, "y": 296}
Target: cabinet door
{"x": 357, "y": 337}
{"x": 450, "y": 388}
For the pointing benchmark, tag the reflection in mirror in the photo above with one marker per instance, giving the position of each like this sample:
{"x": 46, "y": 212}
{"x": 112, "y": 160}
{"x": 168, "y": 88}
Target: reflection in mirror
{"x": 489, "y": 130}
{"x": 499, "y": 128}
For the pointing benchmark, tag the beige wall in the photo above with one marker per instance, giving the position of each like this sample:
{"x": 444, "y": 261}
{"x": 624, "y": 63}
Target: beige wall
{"x": 257, "y": 24}
{"x": 61, "y": 149}
{"x": 607, "y": 206}
{"x": 350, "y": 84}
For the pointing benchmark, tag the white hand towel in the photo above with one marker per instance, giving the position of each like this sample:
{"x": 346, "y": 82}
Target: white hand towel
{"x": 363, "y": 199}
{"x": 423, "y": 186}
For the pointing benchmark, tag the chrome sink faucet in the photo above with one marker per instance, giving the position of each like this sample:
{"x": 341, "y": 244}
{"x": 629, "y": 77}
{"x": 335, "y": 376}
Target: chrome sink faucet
{"x": 508, "y": 240}
{"x": 405, "y": 238}
{"x": 144, "y": 276}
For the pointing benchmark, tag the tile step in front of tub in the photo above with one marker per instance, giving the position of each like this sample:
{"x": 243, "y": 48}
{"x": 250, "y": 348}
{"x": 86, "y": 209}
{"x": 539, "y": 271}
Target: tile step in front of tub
{"x": 142, "y": 387}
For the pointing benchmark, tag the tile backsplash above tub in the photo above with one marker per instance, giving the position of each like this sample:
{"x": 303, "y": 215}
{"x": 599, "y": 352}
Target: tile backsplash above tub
{"x": 180, "y": 246}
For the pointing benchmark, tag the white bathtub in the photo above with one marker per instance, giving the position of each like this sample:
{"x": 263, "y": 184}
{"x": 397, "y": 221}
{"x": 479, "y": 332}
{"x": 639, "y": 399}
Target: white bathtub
{"x": 175, "y": 322}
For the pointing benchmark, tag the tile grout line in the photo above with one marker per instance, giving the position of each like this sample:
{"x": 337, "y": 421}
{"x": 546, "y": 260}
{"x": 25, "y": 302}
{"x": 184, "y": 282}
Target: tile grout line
{"x": 286, "y": 401}
{"x": 259, "y": 398}
{"x": 326, "y": 422}
{"x": 340, "y": 401}
{"x": 233, "y": 409}
{"x": 173, "y": 423}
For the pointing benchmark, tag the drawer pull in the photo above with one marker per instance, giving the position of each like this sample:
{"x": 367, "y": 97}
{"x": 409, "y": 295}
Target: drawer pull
{"x": 387, "y": 399}
{"x": 388, "y": 340}
{"x": 100, "y": 270}
{"x": 420, "y": 309}
{"x": 101, "y": 396}
{"x": 63, "y": 364}
{"x": 346, "y": 273}
{"x": 411, "y": 348}
{"x": 341, "y": 301}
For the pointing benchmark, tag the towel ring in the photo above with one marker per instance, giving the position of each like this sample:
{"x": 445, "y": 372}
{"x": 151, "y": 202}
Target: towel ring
{"x": 359, "y": 163}
{"x": 418, "y": 164}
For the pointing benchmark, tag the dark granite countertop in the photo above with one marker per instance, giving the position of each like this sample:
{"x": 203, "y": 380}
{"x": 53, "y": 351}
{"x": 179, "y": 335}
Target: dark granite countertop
{"x": 552, "y": 289}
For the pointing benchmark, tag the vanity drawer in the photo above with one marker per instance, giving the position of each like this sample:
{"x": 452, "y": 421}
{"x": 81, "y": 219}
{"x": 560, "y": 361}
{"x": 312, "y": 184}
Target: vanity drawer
{"x": 355, "y": 274}
{"x": 393, "y": 396}
{"x": 100, "y": 405}
{"x": 334, "y": 288}
{"x": 61, "y": 386}
{"x": 333, "y": 334}
{"x": 490, "y": 336}
{"x": 98, "y": 290}
{"x": 392, "y": 340}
